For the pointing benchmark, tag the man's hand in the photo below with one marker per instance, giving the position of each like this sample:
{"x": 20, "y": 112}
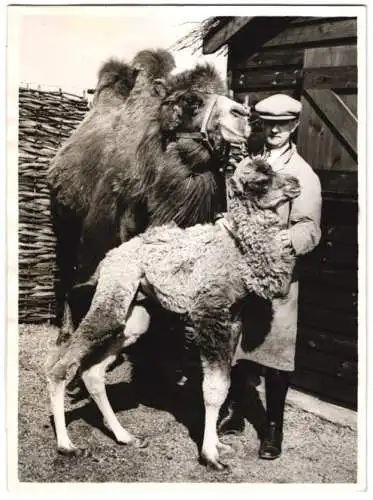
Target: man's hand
{"x": 236, "y": 155}
{"x": 284, "y": 238}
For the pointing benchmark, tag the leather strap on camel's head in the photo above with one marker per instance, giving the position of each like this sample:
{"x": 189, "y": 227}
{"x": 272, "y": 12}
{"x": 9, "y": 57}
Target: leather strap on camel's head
{"x": 228, "y": 132}
{"x": 231, "y": 132}
{"x": 202, "y": 134}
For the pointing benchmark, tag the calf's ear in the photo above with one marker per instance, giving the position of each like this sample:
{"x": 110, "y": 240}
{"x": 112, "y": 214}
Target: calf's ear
{"x": 235, "y": 186}
{"x": 160, "y": 88}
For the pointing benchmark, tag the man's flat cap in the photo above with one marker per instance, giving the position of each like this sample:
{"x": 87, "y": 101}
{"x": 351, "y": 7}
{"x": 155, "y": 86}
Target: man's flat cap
{"x": 278, "y": 107}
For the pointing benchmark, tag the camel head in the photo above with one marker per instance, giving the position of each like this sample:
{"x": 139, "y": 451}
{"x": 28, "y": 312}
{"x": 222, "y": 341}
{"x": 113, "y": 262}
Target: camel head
{"x": 254, "y": 181}
{"x": 197, "y": 116}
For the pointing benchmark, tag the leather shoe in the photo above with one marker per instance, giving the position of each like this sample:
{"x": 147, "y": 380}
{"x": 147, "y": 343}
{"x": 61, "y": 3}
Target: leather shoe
{"x": 270, "y": 447}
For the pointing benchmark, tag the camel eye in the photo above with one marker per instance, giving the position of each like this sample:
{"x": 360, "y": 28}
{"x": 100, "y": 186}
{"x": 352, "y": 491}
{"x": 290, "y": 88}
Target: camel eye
{"x": 262, "y": 182}
{"x": 261, "y": 185}
{"x": 194, "y": 108}
{"x": 192, "y": 102}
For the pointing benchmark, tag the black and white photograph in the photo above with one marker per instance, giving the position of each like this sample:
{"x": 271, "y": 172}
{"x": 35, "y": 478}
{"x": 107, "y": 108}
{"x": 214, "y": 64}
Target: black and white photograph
{"x": 186, "y": 245}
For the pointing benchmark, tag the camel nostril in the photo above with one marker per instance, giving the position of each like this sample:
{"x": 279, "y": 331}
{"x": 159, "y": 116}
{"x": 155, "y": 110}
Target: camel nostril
{"x": 240, "y": 110}
{"x": 291, "y": 182}
{"x": 293, "y": 190}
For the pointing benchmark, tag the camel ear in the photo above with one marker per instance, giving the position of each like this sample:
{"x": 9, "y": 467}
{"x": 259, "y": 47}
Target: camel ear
{"x": 236, "y": 186}
{"x": 160, "y": 88}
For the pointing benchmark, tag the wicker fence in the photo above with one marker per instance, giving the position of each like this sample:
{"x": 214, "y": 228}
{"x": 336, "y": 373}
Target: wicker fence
{"x": 46, "y": 119}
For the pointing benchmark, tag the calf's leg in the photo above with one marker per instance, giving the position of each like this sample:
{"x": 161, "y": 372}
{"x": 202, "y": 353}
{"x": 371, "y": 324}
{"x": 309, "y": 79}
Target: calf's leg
{"x": 215, "y": 388}
{"x": 217, "y": 335}
{"x": 94, "y": 377}
{"x": 59, "y": 375}
{"x": 98, "y": 322}
{"x": 109, "y": 313}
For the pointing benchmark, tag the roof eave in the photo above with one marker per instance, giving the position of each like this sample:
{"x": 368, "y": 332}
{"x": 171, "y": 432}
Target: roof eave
{"x": 214, "y": 41}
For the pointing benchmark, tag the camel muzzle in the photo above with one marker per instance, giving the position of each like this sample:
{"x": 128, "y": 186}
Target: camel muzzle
{"x": 229, "y": 134}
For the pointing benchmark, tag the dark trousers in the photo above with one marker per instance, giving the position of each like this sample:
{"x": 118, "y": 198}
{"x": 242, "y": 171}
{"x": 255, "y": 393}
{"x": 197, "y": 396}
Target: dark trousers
{"x": 244, "y": 398}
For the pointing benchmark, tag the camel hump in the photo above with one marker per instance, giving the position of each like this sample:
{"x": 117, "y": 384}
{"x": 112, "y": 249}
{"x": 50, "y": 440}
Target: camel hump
{"x": 155, "y": 63}
{"x": 117, "y": 77}
{"x": 114, "y": 70}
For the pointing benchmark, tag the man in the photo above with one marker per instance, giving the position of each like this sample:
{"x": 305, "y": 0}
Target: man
{"x": 280, "y": 117}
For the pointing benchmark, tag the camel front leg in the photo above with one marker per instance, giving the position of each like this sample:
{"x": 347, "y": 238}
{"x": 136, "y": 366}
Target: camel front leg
{"x": 215, "y": 388}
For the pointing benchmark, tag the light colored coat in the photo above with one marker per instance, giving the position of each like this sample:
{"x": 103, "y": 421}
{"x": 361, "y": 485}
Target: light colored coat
{"x": 302, "y": 217}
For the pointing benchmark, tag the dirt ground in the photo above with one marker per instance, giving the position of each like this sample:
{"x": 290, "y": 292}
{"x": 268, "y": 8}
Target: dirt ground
{"x": 314, "y": 449}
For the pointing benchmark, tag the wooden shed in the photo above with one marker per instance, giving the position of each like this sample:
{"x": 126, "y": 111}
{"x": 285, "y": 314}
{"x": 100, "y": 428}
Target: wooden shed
{"x": 314, "y": 60}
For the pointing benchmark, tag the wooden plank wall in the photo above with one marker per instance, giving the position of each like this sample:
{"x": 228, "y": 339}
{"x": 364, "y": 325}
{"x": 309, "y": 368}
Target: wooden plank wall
{"x": 327, "y": 356}
{"x": 315, "y": 53}
{"x": 316, "y": 140}
{"x": 327, "y": 139}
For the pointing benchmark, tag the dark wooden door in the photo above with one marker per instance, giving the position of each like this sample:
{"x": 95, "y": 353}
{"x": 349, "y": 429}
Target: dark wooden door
{"x": 326, "y": 361}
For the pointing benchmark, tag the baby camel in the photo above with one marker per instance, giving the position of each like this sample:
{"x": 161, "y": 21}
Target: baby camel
{"x": 201, "y": 273}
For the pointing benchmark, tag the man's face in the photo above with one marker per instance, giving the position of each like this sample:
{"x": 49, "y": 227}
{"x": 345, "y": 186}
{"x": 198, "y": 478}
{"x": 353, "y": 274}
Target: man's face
{"x": 277, "y": 133}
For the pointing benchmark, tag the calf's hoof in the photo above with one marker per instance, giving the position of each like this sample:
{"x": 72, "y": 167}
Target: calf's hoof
{"x": 214, "y": 465}
{"x": 226, "y": 449}
{"x": 136, "y": 442}
{"x": 218, "y": 466}
{"x": 73, "y": 451}
{"x": 140, "y": 443}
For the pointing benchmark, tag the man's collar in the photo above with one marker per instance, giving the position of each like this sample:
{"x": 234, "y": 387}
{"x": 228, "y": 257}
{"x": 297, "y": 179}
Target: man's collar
{"x": 276, "y": 153}
{"x": 278, "y": 161}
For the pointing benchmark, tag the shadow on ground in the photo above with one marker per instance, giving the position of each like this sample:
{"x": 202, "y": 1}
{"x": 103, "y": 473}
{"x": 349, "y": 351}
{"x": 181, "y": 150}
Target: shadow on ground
{"x": 171, "y": 417}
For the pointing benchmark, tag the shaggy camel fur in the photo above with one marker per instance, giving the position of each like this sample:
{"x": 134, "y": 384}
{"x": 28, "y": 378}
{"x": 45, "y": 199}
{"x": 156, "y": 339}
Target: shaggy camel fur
{"x": 143, "y": 163}
{"x": 201, "y": 273}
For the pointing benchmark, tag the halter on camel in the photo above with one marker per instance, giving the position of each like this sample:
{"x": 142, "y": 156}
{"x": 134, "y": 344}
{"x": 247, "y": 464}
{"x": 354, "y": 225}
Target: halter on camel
{"x": 203, "y": 136}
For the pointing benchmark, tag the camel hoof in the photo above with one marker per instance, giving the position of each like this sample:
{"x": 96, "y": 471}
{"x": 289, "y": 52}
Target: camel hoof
{"x": 214, "y": 465}
{"x": 135, "y": 442}
{"x": 74, "y": 452}
{"x": 217, "y": 466}
{"x": 140, "y": 443}
{"x": 226, "y": 450}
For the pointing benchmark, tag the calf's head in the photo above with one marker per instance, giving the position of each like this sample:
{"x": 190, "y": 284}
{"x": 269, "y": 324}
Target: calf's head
{"x": 257, "y": 183}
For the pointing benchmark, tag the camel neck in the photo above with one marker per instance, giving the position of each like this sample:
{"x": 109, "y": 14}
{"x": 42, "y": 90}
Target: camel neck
{"x": 266, "y": 266}
{"x": 194, "y": 155}
{"x": 261, "y": 223}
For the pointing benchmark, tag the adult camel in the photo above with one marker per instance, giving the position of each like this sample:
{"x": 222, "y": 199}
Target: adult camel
{"x": 154, "y": 157}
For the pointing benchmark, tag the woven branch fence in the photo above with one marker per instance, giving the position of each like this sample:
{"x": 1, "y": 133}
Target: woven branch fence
{"x": 46, "y": 119}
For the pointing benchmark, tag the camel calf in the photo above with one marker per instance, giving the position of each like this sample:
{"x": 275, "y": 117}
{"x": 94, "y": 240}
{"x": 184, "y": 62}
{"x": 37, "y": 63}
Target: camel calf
{"x": 200, "y": 273}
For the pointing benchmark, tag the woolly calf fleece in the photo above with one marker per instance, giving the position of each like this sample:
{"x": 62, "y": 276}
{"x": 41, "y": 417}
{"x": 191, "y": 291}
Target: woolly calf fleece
{"x": 231, "y": 259}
